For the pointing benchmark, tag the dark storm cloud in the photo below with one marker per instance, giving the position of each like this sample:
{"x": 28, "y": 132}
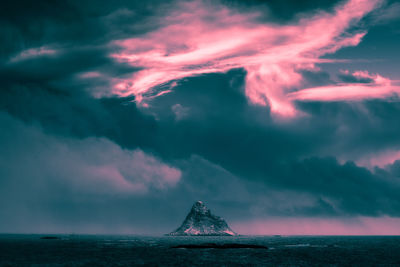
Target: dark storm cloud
{"x": 355, "y": 128}
{"x": 234, "y": 137}
{"x": 394, "y": 169}
{"x": 349, "y": 189}
{"x": 30, "y": 23}
{"x": 221, "y": 127}
{"x": 91, "y": 185}
{"x": 77, "y": 114}
{"x": 58, "y": 120}
{"x": 282, "y": 11}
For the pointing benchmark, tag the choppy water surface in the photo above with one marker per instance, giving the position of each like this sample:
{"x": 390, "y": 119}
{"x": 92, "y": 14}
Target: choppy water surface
{"x": 78, "y": 250}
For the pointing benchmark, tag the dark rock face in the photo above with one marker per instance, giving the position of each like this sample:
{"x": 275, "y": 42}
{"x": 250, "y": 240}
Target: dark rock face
{"x": 200, "y": 221}
{"x": 220, "y": 246}
{"x": 50, "y": 237}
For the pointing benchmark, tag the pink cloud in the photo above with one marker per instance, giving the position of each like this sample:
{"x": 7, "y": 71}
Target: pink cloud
{"x": 116, "y": 169}
{"x": 199, "y": 38}
{"x": 379, "y": 87}
{"x": 179, "y": 111}
{"x": 320, "y": 226}
{"x": 33, "y": 53}
{"x": 90, "y": 75}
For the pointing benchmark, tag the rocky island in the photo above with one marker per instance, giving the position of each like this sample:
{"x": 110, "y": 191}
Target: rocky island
{"x": 201, "y": 222}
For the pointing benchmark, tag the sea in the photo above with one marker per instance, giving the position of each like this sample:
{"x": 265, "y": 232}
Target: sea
{"x": 129, "y": 250}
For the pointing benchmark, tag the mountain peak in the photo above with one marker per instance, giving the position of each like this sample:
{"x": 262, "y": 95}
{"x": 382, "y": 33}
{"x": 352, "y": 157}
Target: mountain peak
{"x": 199, "y": 207}
{"x": 200, "y": 221}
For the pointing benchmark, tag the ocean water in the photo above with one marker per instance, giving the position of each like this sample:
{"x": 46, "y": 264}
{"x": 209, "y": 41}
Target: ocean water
{"x": 97, "y": 250}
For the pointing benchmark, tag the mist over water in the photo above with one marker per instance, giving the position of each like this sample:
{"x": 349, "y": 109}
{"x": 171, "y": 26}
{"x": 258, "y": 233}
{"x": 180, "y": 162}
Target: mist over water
{"x": 100, "y": 250}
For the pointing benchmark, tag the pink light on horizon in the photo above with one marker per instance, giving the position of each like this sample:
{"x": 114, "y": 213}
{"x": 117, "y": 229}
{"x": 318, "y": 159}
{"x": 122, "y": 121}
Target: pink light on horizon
{"x": 320, "y": 226}
{"x": 198, "y": 38}
{"x": 379, "y": 159}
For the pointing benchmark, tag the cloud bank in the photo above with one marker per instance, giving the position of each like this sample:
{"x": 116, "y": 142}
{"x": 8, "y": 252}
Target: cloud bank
{"x": 91, "y": 165}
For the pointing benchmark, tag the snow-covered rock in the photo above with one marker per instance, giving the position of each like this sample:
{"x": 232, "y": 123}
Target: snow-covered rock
{"x": 200, "y": 221}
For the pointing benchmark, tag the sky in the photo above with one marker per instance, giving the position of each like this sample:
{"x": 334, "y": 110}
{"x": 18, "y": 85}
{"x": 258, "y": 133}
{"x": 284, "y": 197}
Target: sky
{"x": 282, "y": 116}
